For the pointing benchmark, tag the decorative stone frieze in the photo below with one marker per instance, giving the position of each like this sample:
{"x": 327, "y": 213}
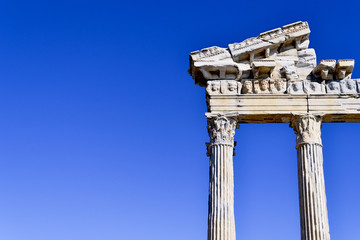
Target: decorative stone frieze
{"x": 314, "y": 87}
{"x": 296, "y": 87}
{"x": 281, "y": 86}
{"x": 348, "y": 86}
{"x": 262, "y": 86}
{"x": 357, "y": 84}
{"x": 278, "y": 86}
{"x": 247, "y": 87}
{"x": 333, "y": 87}
{"x": 228, "y": 87}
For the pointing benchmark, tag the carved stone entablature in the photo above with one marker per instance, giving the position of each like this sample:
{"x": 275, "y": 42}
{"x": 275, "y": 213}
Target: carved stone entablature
{"x": 357, "y": 84}
{"x": 297, "y": 35}
{"x": 306, "y": 87}
{"x": 221, "y": 128}
{"x": 348, "y": 86}
{"x": 275, "y": 62}
{"x": 265, "y": 44}
{"x": 325, "y": 70}
{"x": 210, "y": 54}
{"x": 278, "y": 86}
{"x": 333, "y": 87}
{"x": 294, "y": 35}
{"x": 263, "y": 68}
{"x": 344, "y": 68}
{"x": 247, "y": 87}
{"x": 273, "y": 78}
{"x": 297, "y": 29}
{"x": 330, "y": 70}
{"x": 282, "y": 86}
{"x": 259, "y": 57}
{"x": 307, "y": 128}
{"x": 290, "y": 72}
{"x": 296, "y": 87}
{"x": 345, "y": 86}
{"x": 314, "y": 88}
{"x": 307, "y": 59}
{"x": 222, "y": 70}
{"x": 216, "y": 71}
{"x": 262, "y": 86}
{"x": 227, "y": 87}
{"x": 212, "y": 63}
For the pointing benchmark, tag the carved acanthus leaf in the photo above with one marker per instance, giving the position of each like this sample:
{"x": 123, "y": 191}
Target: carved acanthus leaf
{"x": 307, "y": 128}
{"x": 222, "y": 129}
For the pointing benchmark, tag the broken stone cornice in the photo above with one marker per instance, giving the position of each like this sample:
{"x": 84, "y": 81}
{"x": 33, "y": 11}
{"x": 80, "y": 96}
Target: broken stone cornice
{"x": 280, "y": 53}
{"x": 270, "y": 38}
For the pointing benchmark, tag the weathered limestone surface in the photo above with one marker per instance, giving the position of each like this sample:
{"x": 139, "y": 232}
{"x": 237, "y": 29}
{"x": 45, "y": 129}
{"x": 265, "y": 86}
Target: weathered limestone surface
{"x": 277, "y": 68}
{"x": 312, "y": 198}
{"x": 273, "y": 78}
{"x": 221, "y": 220}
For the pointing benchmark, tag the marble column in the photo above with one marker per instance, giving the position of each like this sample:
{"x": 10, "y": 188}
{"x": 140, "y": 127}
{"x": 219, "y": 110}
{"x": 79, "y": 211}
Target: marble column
{"x": 221, "y": 220}
{"x": 312, "y": 198}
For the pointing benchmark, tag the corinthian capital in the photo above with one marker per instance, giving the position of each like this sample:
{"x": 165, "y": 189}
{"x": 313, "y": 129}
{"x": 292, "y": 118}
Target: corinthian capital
{"x": 221, "y": 129}
{"x": 307, "y": 128}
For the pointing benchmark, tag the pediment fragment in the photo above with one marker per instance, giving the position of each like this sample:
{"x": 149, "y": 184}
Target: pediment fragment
{"x": 275, "y": 62}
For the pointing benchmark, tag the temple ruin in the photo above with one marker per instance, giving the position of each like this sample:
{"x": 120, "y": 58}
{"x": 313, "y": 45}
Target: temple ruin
{"x": 273, "y": 78}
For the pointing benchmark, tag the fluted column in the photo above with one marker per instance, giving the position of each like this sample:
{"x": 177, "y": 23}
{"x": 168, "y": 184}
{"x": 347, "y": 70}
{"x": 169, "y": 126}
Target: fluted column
{"x": 221, "y": 220}
{"x": 312, "y": 198}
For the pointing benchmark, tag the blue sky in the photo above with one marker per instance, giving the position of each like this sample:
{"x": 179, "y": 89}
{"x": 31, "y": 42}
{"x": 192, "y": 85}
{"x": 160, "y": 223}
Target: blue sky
{"x": 102, "y": 130}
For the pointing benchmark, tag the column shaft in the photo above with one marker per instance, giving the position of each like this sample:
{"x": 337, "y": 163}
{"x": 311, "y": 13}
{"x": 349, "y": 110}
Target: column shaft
{"x": 314, "y": 219}
{"x": 221, "y": 220}
{"x": 312, "y": 198}
{"x": 221, "y": 194}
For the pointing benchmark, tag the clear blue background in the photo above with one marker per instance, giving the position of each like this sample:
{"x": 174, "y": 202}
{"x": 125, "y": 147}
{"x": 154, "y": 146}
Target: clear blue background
{"x": 102, "y": 130}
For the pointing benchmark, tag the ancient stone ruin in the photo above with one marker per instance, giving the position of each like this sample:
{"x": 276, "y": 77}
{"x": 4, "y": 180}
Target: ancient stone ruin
{"x": 273, "y": 78}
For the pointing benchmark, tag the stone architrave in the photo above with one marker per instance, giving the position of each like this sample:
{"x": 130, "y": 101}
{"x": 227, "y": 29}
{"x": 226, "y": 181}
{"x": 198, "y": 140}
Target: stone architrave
{"x": 312, "y": 198}
{"x": 273, "y": 78}
{"x": 221, "y": 219}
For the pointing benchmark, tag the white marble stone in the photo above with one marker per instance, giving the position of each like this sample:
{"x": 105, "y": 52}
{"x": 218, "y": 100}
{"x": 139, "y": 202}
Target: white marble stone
{"x": 296, "y": 87}
{"x": 325, "y": 70}
{"x": 333, "y": 87}
{"x": 344, "y": 68}
{"x": 348, "y": 86}
{"x": 313, "y": 210}
{"x": 247, "y": 87}
{"x": 273, "y": 78}
{"x": 290, "y": 72}
{"x": 221, "y": 219}
{"x": 278, "y": 86}
{"x": 314, "y": 88}
{"x": 262, "y": 86}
